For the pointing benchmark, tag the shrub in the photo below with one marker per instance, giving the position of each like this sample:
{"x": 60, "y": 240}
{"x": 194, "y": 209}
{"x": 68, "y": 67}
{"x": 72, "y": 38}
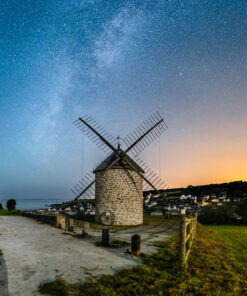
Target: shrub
{"x": 216, "y": 214}
{"x": 58, "y": 287}
{"x": 242, "y": 210}
{"x": 11, "y": 203}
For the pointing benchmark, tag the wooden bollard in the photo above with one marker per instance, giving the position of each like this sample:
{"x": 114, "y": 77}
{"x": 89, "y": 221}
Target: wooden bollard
{"x": 182, "y": 245}
{"x": 71, "y": 224}
{"x": 85, "y": 229}
{"x": 66, "y": 224}
{"x": 136, "y": 244}
{"x": 105, "y": 237}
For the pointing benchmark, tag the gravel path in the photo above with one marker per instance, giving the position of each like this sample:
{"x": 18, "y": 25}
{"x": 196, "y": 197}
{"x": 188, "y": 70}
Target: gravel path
{"x": 35, "y": 253}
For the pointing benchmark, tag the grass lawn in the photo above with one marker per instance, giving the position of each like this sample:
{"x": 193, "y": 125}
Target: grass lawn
{"x": 236, "y": 238}
{"x": 7, "y": 212}
{"x": 213, "y": 269}
{"x": 175, "y": 192}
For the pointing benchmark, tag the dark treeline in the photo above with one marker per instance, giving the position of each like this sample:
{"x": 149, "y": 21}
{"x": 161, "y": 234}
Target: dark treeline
{"x": 232, "y": 189}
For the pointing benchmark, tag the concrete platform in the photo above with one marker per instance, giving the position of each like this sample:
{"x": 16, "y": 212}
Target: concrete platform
{"x": 34, "y": 253}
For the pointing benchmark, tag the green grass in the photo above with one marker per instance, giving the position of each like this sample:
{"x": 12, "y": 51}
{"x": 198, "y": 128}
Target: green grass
{"x": 7, "y": 212}
{"x": 57, "y": 287}
{"x": 115, "y": 228}
{"x": 236, "y": 238}
{"x": 212, "y": 270}
{"x": 174, "y": 192}
{"x": 152, "y": 219}
{"x": 114, "y": 244}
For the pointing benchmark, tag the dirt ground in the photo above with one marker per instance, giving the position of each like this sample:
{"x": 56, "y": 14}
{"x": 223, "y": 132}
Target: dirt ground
{"x": 35, "y": 253}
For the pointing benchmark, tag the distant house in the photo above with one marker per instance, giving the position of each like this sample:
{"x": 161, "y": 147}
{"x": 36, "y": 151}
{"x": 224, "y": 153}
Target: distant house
{"x": 205, "y": 198}
{"x": 171, "y": 208}
{"x": 156, "y": 213}
{"x": 67, "y": 210}
{"x": 183, "y": 197}
{"x": 215, "y": 200}
{"x": 153, "y": 203}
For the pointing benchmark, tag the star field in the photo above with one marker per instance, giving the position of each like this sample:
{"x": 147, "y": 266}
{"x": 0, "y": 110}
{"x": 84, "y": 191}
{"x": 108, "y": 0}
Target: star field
{"x": 120, "y": 61}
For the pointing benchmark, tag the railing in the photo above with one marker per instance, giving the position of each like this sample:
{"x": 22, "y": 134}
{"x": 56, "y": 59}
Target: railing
{"x": 187, "y": 234}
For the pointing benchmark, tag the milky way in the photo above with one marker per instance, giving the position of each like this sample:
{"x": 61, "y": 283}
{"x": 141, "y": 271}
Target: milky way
{"x": 119, "y": 61}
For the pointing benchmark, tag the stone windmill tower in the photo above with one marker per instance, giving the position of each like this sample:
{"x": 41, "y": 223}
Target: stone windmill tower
{"x": 119, "y": 190}
{"x": 119, "y": 178}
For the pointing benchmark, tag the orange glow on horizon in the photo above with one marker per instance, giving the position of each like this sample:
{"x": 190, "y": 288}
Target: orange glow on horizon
{"x": 201, "y": 158}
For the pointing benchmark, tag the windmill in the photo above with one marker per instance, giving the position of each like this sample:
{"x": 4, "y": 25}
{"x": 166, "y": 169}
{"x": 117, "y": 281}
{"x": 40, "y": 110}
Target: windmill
{"x": 118, "y": 181}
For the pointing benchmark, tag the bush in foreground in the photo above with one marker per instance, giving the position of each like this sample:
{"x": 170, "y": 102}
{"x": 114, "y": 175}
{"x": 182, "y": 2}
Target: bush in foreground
{"x": 216, "y": 214}
{"x": 58, "y": 287}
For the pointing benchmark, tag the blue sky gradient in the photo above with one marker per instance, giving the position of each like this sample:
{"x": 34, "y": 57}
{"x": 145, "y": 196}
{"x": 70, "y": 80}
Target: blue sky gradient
{"x": 120, "y": 61}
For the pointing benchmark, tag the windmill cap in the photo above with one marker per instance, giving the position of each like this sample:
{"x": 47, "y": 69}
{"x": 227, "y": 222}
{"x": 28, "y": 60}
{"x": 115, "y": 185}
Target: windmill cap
{"x": 119, "y": 164}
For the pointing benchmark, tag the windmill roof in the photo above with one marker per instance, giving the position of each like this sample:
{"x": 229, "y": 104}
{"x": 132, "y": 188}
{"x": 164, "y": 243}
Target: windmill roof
{"x": 118, "y": 165}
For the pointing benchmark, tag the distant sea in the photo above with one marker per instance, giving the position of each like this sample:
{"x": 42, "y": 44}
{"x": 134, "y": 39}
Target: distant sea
{"x": 33, "y": 204}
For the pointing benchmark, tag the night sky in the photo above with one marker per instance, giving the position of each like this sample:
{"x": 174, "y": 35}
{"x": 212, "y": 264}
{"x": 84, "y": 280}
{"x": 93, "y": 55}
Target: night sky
{"x": 120, "y": 61}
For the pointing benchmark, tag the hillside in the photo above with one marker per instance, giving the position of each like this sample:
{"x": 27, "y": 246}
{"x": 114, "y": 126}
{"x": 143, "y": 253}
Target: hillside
{"x": 232, "y": 189}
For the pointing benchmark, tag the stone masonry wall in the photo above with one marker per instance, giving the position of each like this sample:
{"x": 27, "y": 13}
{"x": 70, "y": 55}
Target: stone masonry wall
{"x": 120, "y": 192}
{"x": 48, "y": 219}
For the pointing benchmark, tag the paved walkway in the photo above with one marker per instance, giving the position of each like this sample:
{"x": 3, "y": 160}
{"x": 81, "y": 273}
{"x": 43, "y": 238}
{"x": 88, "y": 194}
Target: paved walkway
{"x": 35, "y": 253}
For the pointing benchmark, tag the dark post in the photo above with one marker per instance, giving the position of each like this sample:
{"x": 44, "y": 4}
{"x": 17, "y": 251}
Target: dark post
{"x": 66, "y": 224}
{"x": 71, "y": 224}
{"x": 135, "y": 244}
{"x": 167, "y": 215}
{"x": 182, "y": 251}
{"x": 196, "y": 216}
{"x": 105, "y": 237}
{"x": 191, "y": 233}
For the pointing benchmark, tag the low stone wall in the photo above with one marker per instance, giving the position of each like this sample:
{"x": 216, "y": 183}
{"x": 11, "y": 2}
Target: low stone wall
{"x": 56, "y": 221}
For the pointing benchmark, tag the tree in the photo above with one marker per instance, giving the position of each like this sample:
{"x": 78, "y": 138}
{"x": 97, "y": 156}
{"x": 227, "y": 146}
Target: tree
{"x": 242, "y": 210}
{"x": 11, "y": 203}
{"x": 1, "y": 206}
{"x": 213, "y": 214}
